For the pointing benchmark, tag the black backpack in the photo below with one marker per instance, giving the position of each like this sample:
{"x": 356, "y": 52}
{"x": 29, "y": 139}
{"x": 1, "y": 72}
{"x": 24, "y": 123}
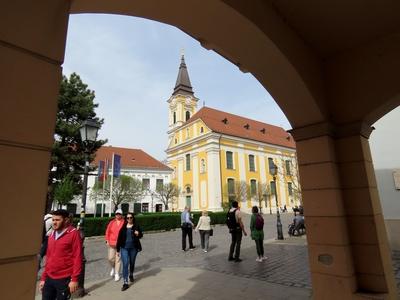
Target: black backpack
{"x": 231, "y": 219}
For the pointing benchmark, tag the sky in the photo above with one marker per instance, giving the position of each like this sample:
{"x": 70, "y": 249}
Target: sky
{"x": 385, "y": 141}
{"x": 132, "y": 65}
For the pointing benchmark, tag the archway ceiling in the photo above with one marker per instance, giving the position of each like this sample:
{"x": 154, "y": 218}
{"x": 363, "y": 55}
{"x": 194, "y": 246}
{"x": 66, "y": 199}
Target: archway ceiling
{"x": 320, "y": 60}
{"x": 332, "y": 27}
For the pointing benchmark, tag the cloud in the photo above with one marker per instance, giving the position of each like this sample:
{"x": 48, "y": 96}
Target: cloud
{"x": 132, "y": 65}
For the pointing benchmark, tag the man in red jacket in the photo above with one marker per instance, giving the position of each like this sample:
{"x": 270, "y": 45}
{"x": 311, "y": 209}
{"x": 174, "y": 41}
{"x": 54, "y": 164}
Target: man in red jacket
{"x": 63, "y": 259}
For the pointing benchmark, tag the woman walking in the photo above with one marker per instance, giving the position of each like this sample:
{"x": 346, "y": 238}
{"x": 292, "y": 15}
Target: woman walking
{"x": 204, "y": 226}
{"x": 257, "y": 233}
{"x": 128, "y": 246}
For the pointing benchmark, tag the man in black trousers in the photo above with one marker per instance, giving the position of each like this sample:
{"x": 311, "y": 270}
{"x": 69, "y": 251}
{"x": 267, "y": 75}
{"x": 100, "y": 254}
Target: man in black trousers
{"x": 187, "y": 228}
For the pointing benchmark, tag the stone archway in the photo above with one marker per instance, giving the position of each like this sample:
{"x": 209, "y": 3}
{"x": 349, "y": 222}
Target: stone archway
{"x": 330, "y": 89}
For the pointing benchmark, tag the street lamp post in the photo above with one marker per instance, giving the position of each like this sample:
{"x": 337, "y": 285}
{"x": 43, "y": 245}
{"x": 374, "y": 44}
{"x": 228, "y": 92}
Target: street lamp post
{"x": 274, "y": 171}
{"x": 88, "y": 132}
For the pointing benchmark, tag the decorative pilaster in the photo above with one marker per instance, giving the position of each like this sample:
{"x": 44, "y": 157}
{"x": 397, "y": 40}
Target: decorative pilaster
{"x": 348, "y": 247}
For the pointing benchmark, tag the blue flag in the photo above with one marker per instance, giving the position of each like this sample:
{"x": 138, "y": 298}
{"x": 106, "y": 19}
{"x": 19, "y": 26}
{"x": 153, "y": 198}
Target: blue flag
{"x": 117, "y": 165}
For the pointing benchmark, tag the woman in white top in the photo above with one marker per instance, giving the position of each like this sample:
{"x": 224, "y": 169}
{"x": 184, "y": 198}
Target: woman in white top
{"x": 204, "y": 226}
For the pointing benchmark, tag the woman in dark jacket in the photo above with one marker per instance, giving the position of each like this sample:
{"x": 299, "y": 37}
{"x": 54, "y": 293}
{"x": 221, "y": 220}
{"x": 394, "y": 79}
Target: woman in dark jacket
{"x": 128, "y": 246}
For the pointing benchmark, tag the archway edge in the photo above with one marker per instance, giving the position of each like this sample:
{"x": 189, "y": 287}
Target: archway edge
{"x": 287, "y": 69}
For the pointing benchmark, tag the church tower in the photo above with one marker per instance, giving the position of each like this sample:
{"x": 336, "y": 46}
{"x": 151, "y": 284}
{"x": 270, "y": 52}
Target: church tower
{"x": 182, "y": 103}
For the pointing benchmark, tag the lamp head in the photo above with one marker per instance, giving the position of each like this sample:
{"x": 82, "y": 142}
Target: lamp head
{"x": 89, "y": 130}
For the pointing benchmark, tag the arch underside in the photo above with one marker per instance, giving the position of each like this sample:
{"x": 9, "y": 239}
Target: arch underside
{"x": 356, "y": 85}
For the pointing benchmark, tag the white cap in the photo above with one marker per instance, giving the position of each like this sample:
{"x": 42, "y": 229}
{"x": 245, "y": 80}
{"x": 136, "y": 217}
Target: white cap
{"x": 118, "y": 211}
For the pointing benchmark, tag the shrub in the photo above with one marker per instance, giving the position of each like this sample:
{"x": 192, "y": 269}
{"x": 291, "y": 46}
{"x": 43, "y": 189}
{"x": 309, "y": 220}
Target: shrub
{"x": 148, "y": 222}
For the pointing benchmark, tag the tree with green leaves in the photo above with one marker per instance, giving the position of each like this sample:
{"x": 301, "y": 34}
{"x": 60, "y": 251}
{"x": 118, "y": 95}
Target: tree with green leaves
{"x": 125, "y": 189}
{"x": 167, "y": 193}
{"x": 75, "y": 105}
{"x": 64, "y": 191}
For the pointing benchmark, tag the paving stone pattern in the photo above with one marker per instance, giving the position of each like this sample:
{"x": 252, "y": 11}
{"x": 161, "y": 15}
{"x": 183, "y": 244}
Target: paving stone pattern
{"x": 287, "y": 262}
{"x": 396, "y": 267}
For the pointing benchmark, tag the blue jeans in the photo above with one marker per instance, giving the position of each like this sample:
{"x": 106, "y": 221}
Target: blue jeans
{"x": 128, "y": 256}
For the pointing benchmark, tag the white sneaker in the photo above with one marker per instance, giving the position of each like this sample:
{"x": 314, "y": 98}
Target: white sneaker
{"x": 259, "y": 259}
{"x": 264, "y": 258}
{"x": 205, "y": 251}
{"x": 112, "y": 272}
{"x": 117, "y": 277}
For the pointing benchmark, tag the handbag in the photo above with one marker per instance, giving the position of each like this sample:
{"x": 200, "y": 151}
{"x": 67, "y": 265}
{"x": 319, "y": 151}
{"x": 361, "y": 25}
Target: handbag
{"x": 211, "y": 232}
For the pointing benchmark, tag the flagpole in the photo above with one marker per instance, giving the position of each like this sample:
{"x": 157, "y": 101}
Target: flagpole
{"x": 111, "y": 183}
{"x": 104, "y": 186}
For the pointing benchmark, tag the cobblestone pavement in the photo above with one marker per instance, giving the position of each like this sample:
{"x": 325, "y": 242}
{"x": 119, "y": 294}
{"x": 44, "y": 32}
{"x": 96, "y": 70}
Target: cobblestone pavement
{"x": 287, "y": 263}
{"x": 396, "y": 267}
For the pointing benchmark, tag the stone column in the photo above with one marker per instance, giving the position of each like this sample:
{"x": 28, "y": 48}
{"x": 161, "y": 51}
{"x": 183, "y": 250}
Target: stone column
{"x": 32, "y": 44}
{"x": 214, "y": 180}
{"x": 195, "y": 183}
{"x": 181, "y": 197}
{"x": 348, "y": 249}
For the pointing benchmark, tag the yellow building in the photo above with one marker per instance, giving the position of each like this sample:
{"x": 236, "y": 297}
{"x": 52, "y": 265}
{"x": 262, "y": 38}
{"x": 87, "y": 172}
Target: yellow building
{"x": 218, "y": 157}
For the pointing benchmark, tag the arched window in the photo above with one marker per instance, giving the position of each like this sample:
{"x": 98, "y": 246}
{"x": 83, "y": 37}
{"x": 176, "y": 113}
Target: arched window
{"x": 174, "y": 117}
{"x": 201, "y": 129}
{"x": 252, "y": 165}
{"x": 187, "y": 162}
{"x": 187, "y": 115}
{"x": 229, "y": 160}
{"x": 188, "y": 190}
{"x": 253, "y": 187}
{"x": 202, "y": 166}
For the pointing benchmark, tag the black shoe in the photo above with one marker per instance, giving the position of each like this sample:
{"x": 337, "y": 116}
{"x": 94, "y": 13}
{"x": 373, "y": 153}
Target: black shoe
{"x": 131, "y": 279}
{"x": 231, "y": 259}
{"x": 192, "y": 248}
{"x": 125, "y": 286}
{"x": 238, "y": 260}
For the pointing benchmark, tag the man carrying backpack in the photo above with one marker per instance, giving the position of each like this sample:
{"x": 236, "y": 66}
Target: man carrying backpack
{"x": 236, "y": 229}
{"x": 257, "y": 233}
{"x": 47, "y": 230}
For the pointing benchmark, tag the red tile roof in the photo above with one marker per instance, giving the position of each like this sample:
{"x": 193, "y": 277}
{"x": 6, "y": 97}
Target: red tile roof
{"x": 233, "y": 125}
{"x": 130, "y": 158}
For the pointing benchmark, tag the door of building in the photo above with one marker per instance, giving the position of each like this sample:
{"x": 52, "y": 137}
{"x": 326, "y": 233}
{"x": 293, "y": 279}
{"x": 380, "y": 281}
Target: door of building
{"x": 189, "y": 201}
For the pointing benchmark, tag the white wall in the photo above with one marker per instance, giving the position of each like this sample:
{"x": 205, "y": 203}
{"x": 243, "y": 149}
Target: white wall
{"x": 153, "y": 175}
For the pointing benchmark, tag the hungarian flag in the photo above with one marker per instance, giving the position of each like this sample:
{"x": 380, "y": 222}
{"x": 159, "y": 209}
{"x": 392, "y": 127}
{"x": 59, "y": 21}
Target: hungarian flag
{"x": 100, "y": 173}
{"x": 117, "y": 165}
{"x": 103, "y": 170}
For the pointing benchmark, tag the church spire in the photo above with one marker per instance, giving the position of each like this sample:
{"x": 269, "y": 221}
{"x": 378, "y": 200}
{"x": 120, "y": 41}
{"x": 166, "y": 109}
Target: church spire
{"x": 183, "y": 85}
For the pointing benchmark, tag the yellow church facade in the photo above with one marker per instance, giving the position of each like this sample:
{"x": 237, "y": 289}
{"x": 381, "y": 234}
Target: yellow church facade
{"x": 218, "y": 157}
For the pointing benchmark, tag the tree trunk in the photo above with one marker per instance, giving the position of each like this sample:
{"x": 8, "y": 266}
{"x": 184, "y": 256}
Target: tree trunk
{"x": 49, "y": 200}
